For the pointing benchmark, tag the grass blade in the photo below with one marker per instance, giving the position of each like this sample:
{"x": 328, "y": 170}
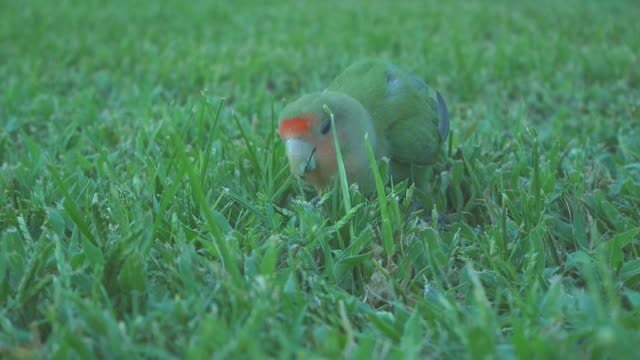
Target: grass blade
{"x": 387, "y": 233}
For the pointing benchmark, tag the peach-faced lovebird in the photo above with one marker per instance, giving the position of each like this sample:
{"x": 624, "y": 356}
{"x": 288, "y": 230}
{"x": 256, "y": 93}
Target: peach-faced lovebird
{"x": 405, "y": 121}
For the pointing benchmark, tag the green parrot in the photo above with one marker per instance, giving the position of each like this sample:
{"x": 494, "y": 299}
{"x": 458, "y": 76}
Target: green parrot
{"x": 405, "y": 121}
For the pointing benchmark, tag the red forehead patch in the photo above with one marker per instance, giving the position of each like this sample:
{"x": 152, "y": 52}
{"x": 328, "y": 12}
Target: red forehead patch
{"x": 295, "y": 126}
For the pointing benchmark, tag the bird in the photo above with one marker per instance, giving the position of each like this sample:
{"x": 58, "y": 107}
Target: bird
{"x": 404, "y": 120}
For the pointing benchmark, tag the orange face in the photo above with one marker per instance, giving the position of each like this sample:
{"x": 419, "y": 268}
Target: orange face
{"x": 310, "y": 148}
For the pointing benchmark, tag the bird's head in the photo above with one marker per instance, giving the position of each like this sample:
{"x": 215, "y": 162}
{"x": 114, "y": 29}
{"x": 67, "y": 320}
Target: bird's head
{"x": 306, "y": 129}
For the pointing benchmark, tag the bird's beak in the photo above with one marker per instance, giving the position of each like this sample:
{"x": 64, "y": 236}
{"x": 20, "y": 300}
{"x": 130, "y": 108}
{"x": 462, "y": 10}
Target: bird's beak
{"x": 301, "y": 156}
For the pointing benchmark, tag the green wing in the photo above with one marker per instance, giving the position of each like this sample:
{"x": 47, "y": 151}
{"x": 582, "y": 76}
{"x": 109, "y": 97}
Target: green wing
{"x": 412, "y": 116}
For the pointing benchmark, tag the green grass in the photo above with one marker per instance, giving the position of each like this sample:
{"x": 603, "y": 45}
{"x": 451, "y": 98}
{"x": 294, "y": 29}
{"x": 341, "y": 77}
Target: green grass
{"x": 147, "y": 211}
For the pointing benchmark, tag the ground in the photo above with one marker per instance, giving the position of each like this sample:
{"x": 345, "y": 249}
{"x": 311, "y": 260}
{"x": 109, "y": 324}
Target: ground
{"x": 147, "y": 210}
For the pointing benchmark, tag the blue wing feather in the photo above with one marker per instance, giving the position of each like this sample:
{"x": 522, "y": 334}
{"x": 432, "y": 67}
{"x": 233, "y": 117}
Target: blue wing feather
{"x": 443, "y": 112}
{"x": 394, "y": 84}
{"x": 420, "y": 83}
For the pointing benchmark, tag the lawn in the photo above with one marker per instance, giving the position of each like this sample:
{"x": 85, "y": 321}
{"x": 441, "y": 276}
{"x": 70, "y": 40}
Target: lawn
{"x": 147, "y": 209}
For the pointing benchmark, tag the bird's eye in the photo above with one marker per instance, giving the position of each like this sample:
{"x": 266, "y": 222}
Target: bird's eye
{"x": 326, "y": 126}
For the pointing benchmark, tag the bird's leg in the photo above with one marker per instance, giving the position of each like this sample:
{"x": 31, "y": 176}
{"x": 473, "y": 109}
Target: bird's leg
{"x": 314, "y": 202}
